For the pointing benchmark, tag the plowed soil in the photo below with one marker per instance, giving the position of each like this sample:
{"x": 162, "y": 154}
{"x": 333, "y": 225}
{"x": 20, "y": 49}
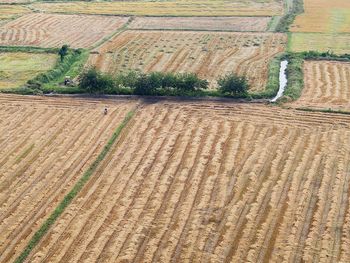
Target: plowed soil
{"x": 327, "y": 85}
{"x": 208, "y": 54}
{"x": 214, "y": 182}
{"x": 45, "y": 146}
{"x": 50, "y": 30}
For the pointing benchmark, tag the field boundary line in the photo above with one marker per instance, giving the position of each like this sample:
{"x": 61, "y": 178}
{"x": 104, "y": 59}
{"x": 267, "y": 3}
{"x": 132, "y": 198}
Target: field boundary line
{"x": 67, "y": 200}
{"x": 114, "y": 34}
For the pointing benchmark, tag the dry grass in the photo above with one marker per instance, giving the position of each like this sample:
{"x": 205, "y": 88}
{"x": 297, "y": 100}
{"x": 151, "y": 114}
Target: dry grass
{"x": 207, "y": 54}
{"x": 169, "y": 8}
{"x": 202, "y": 23}
{"x": 52, "y": 30}
{"x": 213, "y": 182}
{"x": 17, "y": 68}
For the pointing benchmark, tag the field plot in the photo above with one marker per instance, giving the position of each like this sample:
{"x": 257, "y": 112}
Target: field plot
{"x": 324, "y": 16}
{"x": 338, "y": 43}
{"x": 169, "y": 8}
{"x": 209, "y": 54}
{"x": 327, "y": 85}
{"x": 325, "y": 26}
{"x": 207, "y": 182}
{"x": 202, "y": 23}
{"x": 17, "y": 68}
{"x": 11, "y": 11}
{"x": 52, "y": 30}
{"x": 45, "y": 146}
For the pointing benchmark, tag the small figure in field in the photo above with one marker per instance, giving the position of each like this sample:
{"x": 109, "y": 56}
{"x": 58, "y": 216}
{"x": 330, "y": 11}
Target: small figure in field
{"x": 105, "y": 111}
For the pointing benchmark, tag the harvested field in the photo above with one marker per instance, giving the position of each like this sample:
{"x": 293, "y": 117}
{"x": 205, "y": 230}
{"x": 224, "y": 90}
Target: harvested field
{"x": 45, "y": 146}
{"x": 324, "y": 16}
{"x": 11, "y": 11}
{"x": 258, "y": 24}
{"x": 17, "y": 68}
{"x": 52, "y": 30}
{"x": 211, "y": 182}
{"x": 327, "y": 85}
{"x": 168, "y": 8}
{"x": 209, "y": 54}
{"x": 338, "y": 43}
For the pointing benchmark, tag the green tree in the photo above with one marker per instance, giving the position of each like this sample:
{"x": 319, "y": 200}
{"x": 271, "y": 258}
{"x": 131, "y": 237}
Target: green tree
{"x": 63, "y": 51}
{"x": 233, "y": 85}
{"x": 93, "y": 81}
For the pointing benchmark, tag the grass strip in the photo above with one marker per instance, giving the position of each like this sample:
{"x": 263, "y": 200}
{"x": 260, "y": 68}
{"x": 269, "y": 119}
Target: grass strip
{"x": 293, "y": 8}
{"x": 74, "y": 192}
{"x": 324, "y": 111}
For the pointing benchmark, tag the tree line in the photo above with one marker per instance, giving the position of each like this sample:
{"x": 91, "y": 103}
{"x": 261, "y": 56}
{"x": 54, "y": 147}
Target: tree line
{"x": 159, "y": 84}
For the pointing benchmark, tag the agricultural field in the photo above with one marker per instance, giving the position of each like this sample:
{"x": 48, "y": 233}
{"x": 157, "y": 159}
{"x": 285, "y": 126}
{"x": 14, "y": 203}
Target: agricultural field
{"x": 16, "y": 68}
{"x": 324, "y": 16}
{"x": 53, "y": 30}
{"x": 324, "y": 26}
{"x": 327, "y": 85}
{"x": 337, "y": 43}
{"x": 45, "y": 146}
{"x": 208, "y": 54}
{"x": 214, "y": 182}
{"x": 258, "y": 24}
{"x": 168, "y": 8}
{"x": 16, "y": 1}
{"x": 12, "y": 11}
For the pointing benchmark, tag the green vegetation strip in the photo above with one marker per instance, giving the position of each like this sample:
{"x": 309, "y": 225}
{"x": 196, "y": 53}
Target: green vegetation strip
{"x": 293, "y": 8}
{"x": 74, "y": 192}
{"x": 324, "y": 111}
{"x": 25, "y": 49}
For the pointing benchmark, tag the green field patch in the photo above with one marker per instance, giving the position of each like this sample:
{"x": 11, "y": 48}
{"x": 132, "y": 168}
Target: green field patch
{"x": 16, "y": 68}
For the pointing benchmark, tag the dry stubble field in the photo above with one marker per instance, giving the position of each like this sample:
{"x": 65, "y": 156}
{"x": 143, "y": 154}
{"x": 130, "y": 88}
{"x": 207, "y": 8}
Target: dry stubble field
{"x": 45, "y": 146}
{"x": 327, "y": 85}
{"x": 214, "y": 182}
{"x": 169, "y": 7}
{"x": 52, "y": 30}
{"x": 258, "y": 24}
{"x": 208, "y": 54}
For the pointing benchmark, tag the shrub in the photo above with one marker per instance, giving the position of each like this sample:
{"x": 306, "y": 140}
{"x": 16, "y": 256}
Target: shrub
{"x": 233, "y": 85}
{"x": 96, "y": 82}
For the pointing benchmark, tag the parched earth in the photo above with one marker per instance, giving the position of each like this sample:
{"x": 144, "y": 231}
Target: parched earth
{"x": 327, "y": 85}
{"x": 214, "y": 182}
{"x": 208, "y": 54}
{"x": 53, "y": 30}
{"x": 45, "y": 146}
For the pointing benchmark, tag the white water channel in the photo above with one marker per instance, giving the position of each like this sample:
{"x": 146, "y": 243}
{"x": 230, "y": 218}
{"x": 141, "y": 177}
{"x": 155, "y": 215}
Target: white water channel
{"x": 283, "y": 80}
